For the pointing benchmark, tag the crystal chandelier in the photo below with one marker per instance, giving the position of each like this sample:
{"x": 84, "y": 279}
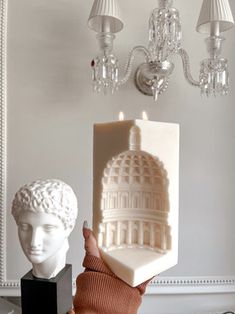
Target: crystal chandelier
{"x": 165, "y": 36}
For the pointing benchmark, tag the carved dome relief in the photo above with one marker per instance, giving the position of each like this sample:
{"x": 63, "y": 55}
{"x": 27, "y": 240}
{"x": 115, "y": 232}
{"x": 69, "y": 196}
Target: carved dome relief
{"x": 135, "y": 201}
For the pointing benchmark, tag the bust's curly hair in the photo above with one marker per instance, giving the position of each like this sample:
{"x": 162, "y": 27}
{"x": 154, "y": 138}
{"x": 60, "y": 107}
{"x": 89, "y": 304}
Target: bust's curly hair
{"x": 47, "y": 196}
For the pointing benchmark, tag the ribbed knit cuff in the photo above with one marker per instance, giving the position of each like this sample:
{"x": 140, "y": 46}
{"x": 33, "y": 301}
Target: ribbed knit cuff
{"x": 99, "y": 291}
{"x": 93, "y": 263}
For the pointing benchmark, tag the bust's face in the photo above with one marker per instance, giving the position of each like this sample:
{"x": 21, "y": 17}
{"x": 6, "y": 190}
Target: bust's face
{"x": 41, "y": 235}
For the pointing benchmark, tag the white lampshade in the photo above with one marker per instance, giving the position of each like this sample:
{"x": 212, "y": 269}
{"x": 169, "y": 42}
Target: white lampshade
{"x": 105, "y": 16}
{"x": 215, "y": 11}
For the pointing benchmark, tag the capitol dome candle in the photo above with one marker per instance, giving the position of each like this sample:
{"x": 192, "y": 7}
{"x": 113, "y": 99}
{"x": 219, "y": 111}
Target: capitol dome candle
{"x": 135, "y": 203}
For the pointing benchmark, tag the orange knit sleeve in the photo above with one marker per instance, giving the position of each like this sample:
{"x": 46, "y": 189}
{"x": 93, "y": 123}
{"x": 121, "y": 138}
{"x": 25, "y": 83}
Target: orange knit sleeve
{"x": 99, "y": 291}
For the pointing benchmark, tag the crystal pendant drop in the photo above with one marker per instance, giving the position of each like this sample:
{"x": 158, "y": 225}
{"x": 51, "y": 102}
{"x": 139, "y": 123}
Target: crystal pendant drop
{"x": 105, "y": 66}
{"x": 164, "y": 33}
{"x": 214, "y": 77}
{"x": 105, "y": 73}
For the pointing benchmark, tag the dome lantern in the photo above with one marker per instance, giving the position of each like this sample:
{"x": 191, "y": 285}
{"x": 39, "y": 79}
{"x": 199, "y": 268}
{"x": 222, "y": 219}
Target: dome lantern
{"x": 135, "y": 138}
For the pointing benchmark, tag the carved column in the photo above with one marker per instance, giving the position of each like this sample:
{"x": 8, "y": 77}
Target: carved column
{"x": 118, "y": 233}
{"x": 107, "y": 234}
{"x": 152, "y": 235}
{"x": 141, "y": 233}
{"x": 163, "y": 237}
{"x": 129, "y": 233}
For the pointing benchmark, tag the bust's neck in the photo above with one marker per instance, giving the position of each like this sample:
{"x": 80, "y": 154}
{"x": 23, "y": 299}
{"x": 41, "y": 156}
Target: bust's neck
{"x": 53, "y": 265}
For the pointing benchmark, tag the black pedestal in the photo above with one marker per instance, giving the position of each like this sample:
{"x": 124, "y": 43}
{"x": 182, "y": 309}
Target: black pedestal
{"x": 47, "y": 296}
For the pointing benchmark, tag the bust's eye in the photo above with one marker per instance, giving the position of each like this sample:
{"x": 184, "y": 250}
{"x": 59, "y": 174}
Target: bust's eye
{"x": 24, "y": 226}
{"x": 49, "y": 228}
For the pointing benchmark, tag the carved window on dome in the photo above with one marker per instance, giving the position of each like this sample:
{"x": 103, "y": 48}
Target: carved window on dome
{"x": 145, "y": 164}
{"x": 113, "y": 200}
{"x": 135, "y": 232}
{"x": 112, "y": 234}
{"x": 166, "y": 203}
{"x": 147, "y": 200}
{"x": 158, "y": 182}
{"x": 146, "y": 171}
{"x": 160, "y": 202}
{"x": 128, "y": 161}
{"x": 124, "y": 200}
{"x": 125, "y": 171}
{"x": 113, "y": 180}
{"x": 136, "y": 179}
{"x": 146, "y": 234}
{"x": 147, "y": 180}
{"x": 124, "y": 179}
{"x": 168, "y": 236}
{"x": 157, "y": 235}
{"x": 157, "y": 202}
{"x": 136, "y": 200}
{"x": 123, "y": 233}
{"x": 164, "y": 235}
{"x": 104, "y": 201}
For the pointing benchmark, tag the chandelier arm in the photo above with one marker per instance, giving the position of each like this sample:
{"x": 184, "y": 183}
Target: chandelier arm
{"x": 129, "y": 64}
{"x": 186, "y": 67}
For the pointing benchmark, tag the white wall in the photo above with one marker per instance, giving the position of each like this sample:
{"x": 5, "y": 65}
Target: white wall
{"x": 52, "y": 109}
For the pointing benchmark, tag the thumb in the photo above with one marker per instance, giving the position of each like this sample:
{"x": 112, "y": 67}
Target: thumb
{"x": 90, "y": 244}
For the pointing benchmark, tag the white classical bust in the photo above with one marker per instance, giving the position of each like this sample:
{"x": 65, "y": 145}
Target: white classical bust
{"x": 45, "y": 212}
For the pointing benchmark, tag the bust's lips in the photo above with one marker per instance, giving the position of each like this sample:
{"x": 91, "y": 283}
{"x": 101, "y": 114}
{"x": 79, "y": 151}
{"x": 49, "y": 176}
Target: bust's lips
{"x": 35, "y": 252}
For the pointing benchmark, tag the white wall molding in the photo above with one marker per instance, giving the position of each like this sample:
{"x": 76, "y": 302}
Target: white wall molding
{"x": 3, "y": 121}
{"x": 192, "y": 285}
{"x": 160, "y": 286}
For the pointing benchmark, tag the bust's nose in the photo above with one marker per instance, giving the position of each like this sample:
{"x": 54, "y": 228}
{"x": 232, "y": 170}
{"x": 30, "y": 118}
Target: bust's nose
{"x": 36, "y": 239}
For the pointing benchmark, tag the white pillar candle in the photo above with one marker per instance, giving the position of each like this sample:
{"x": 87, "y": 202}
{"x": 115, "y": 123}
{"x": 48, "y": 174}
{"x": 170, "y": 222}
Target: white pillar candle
{"x": 133, "y": 171}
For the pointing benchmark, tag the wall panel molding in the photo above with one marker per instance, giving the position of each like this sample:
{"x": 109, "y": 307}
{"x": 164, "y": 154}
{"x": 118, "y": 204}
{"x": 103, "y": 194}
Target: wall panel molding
{"x": 3, "y": 121}
{"x": 192, "y": 285}
{"x": 160, "y": 286}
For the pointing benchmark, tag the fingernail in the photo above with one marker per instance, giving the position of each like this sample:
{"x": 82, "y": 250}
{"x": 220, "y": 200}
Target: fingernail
{"x": 85, "y": 224}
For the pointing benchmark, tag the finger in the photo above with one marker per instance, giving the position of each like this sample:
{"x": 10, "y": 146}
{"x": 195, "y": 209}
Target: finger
{"x": 90, "y": 243}
{"x": 85, "y": 230}
{"x": 71, "y": 312}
